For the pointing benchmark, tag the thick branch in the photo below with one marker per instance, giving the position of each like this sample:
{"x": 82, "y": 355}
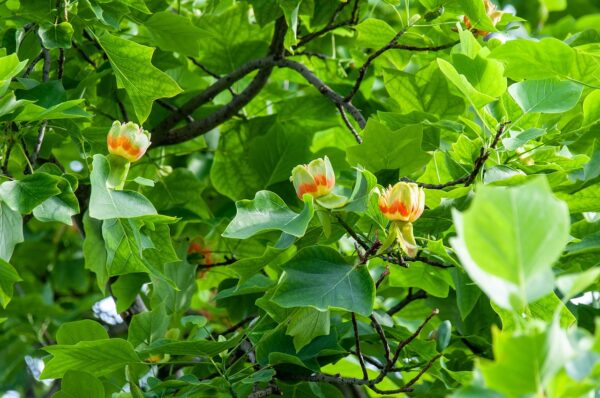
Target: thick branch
{"x": 166, "y": 136}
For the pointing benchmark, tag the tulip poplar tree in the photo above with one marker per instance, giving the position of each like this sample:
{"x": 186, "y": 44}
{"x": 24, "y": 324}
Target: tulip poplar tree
{"x": 305, "y": 198}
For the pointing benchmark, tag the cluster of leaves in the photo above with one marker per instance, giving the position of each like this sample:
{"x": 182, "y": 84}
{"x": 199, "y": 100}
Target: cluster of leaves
{"x": 226, "y": 283}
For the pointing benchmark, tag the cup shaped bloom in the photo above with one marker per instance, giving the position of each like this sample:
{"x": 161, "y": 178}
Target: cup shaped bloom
{"x": 127, "y": 140}
{"x": 405, "y": 201}
{"x": 316, "y": 178}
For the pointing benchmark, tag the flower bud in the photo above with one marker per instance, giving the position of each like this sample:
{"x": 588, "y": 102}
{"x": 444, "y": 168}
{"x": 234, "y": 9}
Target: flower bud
{"x": 491, "y": 11}
{"x": 128, "y": 140}
{"x": 405, "y": 201}
{"x": 316, "y": 178}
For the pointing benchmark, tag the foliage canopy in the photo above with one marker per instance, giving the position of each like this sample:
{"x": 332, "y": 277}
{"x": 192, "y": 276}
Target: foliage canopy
{"x": 476, "y": 274}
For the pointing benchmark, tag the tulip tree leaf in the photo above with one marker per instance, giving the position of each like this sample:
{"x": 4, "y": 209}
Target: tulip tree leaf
{"x": 77, "y": 384}
{"x": 8, "y": 277}
{"x": 528, "y": 59}
{"x": 306, "y": 324}
{"x": 25, "y": 194}
{"x": 106, "y": 203}
{"x": 319, "y": 277}
{"x": 267, "y": 212}
{"x": 546, "y": 96}
{"x": 376, "y": 153}
{"x": 524, "y": 361}
{"x": 56, "y": 35}
{"x": 508, "y": 245}
{"x": 98, "y": 357}
{"x": 134, "y": 71}
{"x": 11, "y": 230}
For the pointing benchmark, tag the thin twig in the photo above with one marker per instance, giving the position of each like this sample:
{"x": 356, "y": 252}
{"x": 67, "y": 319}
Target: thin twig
{"x": 361, "y": 360}
{"x": 413, "y": 336}
{"x": 477, "y": 165}
{"x": 38, "y": 143}
{"x": 382, "y": 277}
{"x": 85, "y": 57}
{"x": 384, "y": 341}
{"x": 173, "y": 108}
{"x": 209, "y": 72}
{"x": 421, "y": 294}
{"x": 353, "y": 131}
{"x": 47, "y": 62}
{"x": 324, "y": 89}
{"x": 61, "y": 63}
{"x": 9, "y": 146}
{"x": 32, "y": 65}
{"x": 332, "y": 25}
{"x": 363, "y": 69}
{"x": 271, "y": 390}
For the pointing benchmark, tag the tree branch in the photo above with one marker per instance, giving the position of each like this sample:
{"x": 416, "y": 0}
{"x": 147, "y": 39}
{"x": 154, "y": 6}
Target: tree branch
{"x": 332, "y": 25}
{"x": 421, "y": 294}
{"x": 477, "y": 165}
{"x": 324, "y": 89}
{"x": 202, "y": 126}
{"x": 361, "y": 360}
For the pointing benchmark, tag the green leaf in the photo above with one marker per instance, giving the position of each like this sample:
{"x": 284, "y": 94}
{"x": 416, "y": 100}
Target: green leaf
{"x": 106, "y": 203}
{"x": 76, "y": 384}
{"x": 134, "y": 71}
{"x": 71, "y": 333}
{"x": 306, "y": 324}
{"x": 548, "y": 58}
{"x": 148, "y": 326}
{"x": 8, "y": 277}
{"x": 25, "y": 194}
{"x": 99, "y": 357}
{"x": 64, "y": 110}
{"x": 572, "y": 284}
{"x": 425, "y": 91}
{"x": 94, "y": 252}
{"x": 172, "y": 32}
{"x": 11, "y": 230}
{"x": 248, "y": 267}
{"x": 583, "y": 200}
{"x": 435, "y": 281}
{"x": 475, "y": 97}
{"x": 61, "y": 207}
{"x": 124, "y": 247}
{"x": 267, "y": 212}
{"x": 508, "y": 244}
{"x": 384, "y": 149}
{"x": 319, "y": 277}
{"x": 546, "y": 96}
{"x": 9, "y": 68}
{"x": 56, "y": 35}
{"x": 374, "y": 33}
{"x": 525, "y": 362}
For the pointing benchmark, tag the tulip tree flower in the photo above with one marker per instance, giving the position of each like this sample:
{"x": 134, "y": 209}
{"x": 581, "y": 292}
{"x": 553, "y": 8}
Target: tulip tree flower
{"x": 402, "y": 204}
{"x": 127, "y": 142}
{"x": 317, "y": 179}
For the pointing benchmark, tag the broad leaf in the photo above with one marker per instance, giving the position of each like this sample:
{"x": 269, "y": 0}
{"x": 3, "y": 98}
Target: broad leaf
{"x": 25, "y": 194}
{"x": 384, "y": 149}
{"x": 77, "y": 384}
{"x": 546, "y": 96}
{"x": 267, "y": 212}
{"x": 106, "y": 203}
{"x": 11, "y": 230}
{"x": 98, "y": 357}
{"x": 134, "y": 71}
{"x": 319, "y": 277}
{"x": 8, "y": 277}
{"x": 509, "y": 239}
